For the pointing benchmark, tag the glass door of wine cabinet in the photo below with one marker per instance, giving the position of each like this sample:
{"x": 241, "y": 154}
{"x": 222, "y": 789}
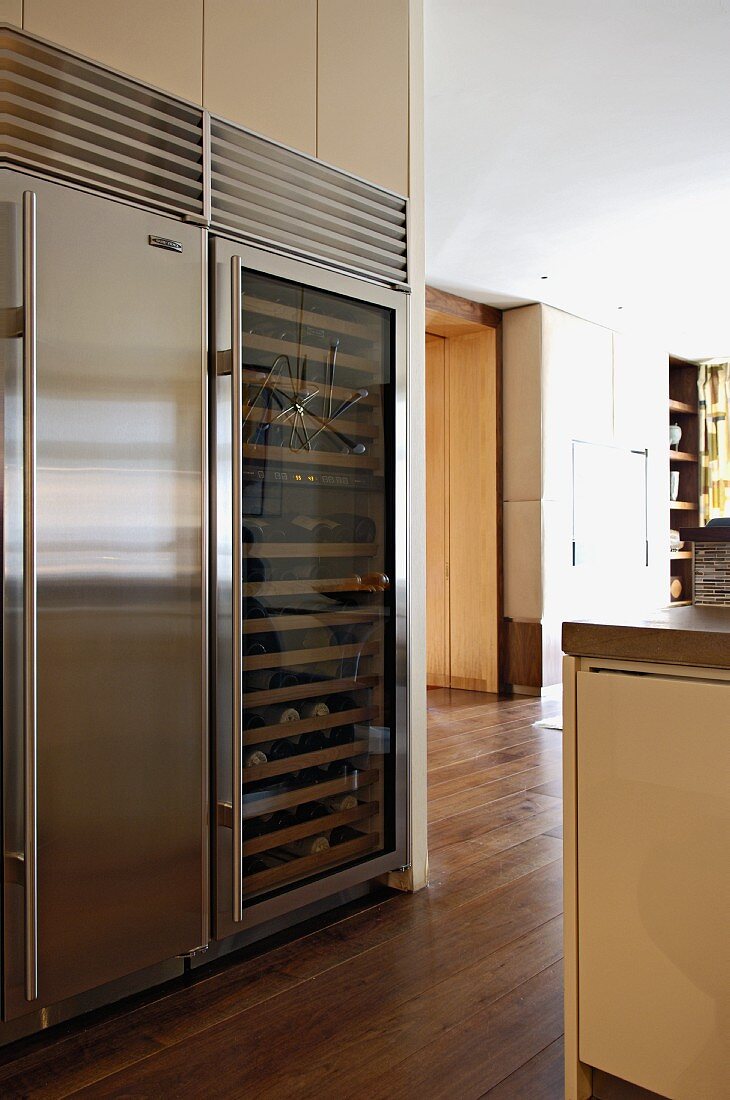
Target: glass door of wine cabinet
{"x": 310, "y": 741}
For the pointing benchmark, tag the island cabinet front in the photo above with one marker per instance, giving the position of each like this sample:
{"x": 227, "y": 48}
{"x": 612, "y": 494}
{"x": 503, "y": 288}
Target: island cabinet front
{"x": 652, "y": 801}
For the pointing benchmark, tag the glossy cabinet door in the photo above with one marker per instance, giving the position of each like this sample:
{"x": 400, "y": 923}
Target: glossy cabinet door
{"x": 158, "y": 41}
{"x": 362, "y": 89}
{"x": 653, "y": 759}
{"x": 260, "y": 67}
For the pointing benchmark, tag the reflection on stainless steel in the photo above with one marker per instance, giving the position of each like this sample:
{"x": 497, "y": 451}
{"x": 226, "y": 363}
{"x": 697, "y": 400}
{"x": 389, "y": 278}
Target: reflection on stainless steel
{"x": 120, "y": 644}
{"x": 236, "y": 586}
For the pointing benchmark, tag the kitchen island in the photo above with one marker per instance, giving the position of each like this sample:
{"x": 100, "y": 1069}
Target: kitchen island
{"x": 647, "y": 830}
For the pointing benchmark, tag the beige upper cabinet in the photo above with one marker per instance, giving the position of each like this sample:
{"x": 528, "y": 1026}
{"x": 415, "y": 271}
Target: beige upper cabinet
{"x": 260, "y": 67}
{"x": 362, "y": 101}
{"x": 11, "y": 11}
{"x": 158, "y": 41}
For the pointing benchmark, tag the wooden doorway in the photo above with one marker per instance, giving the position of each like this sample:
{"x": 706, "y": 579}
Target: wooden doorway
{"x": 463, "y": 492}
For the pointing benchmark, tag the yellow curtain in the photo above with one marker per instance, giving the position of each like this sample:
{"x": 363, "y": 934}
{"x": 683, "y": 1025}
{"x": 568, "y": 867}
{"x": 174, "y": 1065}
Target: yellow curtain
{"x": 714, "y": 407}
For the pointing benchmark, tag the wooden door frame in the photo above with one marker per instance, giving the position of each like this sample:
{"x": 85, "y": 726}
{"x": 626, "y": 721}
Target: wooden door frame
{"x": 448, "y": 316}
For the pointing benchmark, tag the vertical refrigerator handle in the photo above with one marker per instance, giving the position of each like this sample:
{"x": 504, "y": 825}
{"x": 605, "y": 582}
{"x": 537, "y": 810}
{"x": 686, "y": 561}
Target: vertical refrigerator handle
{"x": 30, "y": 726}
{"x": 237, "y": 586}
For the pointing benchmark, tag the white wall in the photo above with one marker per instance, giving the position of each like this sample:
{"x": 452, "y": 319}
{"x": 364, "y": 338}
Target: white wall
{"x": 567, "y": 379}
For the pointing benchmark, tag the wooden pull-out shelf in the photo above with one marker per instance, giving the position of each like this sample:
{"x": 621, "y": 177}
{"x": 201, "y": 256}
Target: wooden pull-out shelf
{"x": 335, "y": 326}
{"x": 307, "y": 691}
{"x": 310, "y": 828}
{"x": 285, "y": 456}
{"x": 314, "y": 353}
{"x": 298, "y": 657}
{"x": 298, "y": 868}
{"x": 304, "y": 760}
{"x": 346, "y": 617}
{"x": 284, "y": 730}
{"x": 303, "y": 588}
{"x": 312, "y": 549}
{"x": 255, "y": 807}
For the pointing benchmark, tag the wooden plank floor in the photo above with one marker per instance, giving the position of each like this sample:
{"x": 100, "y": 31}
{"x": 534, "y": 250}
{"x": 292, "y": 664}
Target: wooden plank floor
{"x": 453, "y": 992}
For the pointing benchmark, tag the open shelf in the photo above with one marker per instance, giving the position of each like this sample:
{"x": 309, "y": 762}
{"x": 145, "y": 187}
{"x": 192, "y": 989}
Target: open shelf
{"x": 683, "y": 505}
{"x": 261, "y": 734}
{"x": 681, "y": 456}
{"x": 296, "y": 868}
{"x": 680, "y": 555}
{"x": 682, "y": 407}
{"x": 307, "y": 691}
{"x": 255, "y": 807}
{"x": 258, "y": 844}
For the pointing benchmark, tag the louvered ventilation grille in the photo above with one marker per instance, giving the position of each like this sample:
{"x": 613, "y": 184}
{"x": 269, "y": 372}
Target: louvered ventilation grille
{"x": 76, "y": 120}
{"x": 268, "y": 194}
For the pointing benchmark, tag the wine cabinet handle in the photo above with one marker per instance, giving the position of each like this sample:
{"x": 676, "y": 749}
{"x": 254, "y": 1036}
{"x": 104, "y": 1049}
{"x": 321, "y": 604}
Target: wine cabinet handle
{"x": 237, "y": 585}
{"x": 30, "y": 719}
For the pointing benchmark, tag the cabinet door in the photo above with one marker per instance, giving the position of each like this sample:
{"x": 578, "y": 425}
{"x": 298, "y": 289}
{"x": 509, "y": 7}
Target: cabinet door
{"x": 653, "y": 899}
{"x": 362, "y": 90}
{"x": 261, "y": 67}
{"x": 158, "y": 41}
{"x": 11, "y": 11}
{"x": 437, "y": 513}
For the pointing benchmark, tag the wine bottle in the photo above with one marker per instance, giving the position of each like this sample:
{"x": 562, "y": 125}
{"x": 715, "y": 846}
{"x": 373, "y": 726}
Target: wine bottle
{"x": 255, "y": 570}
{"x": 309, "y": 776}
{"x": 254, "y": 647}
{"x": 312, "y": 742}
{"x": 309, "y": 846}
{"x": 252, "y": 757}
{"x": 342, "y": 833}
{"x": 253, "y": 865}
{"x": 319, "y": 529}
{"x": 341, "y": 735}
{"x": 339, "y": 768}
{"x": 310, "y": 811}
{"x": 282, "y": 819}
{"x": 317, "y": 637}
{"x": 252, "y": 609}
{"x": 252, "y": 531}
{"x": 269, "y": 679}
{"x": 358, "y": 528}
{"x": 339, "y": 802}
{"x": 337, "y": 703}
{"x": 282, "y": 749}
{"x": 314, "y": 708}
{"x": 254, "y": 721}
{"x": 255, "y": 827}
{"x": 280, "y": 715}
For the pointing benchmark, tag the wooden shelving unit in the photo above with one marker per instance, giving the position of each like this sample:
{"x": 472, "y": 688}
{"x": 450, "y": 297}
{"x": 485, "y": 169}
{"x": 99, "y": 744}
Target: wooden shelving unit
{"x": 684, "y": 512}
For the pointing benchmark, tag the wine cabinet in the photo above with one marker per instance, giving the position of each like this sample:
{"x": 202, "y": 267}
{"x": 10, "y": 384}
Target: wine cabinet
{"x": 309, "y": 588}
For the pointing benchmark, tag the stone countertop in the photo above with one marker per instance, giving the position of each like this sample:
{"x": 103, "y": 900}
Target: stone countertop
{"x": 676, "y": 635}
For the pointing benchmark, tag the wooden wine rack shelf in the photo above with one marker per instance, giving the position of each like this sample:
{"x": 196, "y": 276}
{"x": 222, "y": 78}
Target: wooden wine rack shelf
{"x": 255, "y": 807}
{"x": 300, "y": 588}
{"x": 296, "y": 657}
{"x": 682, "y": 456}
{"x": 286, "y": 456}
{"x": 314, "y": 353}
{"x": 306, "y": 865}
{"x": 258, "y": 844}
{"x": 256, "y": 415}
{"x": 305, "y": 725}
{"x": 279, "y": 623}
{"x": 254, "y": 378}
{"x": 312, "y": 549}
{"x": 307, "y": 691}
{"x": 338, "y": 326}
{"x": 303, "y": 760}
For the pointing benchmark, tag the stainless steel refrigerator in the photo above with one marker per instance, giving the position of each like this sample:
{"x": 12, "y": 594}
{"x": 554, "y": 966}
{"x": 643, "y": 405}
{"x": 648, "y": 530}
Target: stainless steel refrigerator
{"x": 308, "y": 552}
{"x": 103, "y": 602}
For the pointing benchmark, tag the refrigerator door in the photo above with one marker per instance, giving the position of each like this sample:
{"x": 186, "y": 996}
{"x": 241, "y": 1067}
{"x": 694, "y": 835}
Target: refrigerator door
{"x": 104, "y": 792}
{"x": 310, "y": 598}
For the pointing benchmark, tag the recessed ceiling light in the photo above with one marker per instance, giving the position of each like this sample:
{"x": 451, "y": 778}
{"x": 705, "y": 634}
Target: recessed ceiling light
{"x": 619, "y": 307}
{"x": 543, "y": 276}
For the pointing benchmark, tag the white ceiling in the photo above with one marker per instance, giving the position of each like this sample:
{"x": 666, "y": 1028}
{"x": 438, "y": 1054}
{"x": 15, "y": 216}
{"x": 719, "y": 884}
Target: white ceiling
{"x": 589, "y": 141}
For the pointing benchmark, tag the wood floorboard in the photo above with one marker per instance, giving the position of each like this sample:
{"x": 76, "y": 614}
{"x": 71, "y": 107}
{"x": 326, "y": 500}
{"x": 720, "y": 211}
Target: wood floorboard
{"x": 454, "y": 991}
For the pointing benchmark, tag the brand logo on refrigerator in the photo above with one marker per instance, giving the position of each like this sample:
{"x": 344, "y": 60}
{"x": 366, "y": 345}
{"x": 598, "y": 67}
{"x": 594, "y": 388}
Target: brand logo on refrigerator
{"x": 165, "y": 242}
